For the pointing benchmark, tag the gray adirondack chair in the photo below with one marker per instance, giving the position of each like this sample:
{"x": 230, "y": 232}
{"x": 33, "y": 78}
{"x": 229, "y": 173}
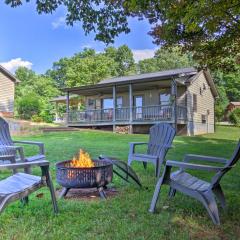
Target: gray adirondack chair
{"x": 8, "y": 147}
{"x": 20, "y": 185}
{"x": 203, "y": 191}
{"x": 160, "y": 140}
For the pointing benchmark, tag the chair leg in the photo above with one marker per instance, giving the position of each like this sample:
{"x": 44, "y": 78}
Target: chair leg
{"x": 171, "y": 193}
{"x": 25, "y": 200}
{"x": 156, "y": 195}
{"x": 144, "y": 165}
{"x": 220, "y": 196}
{"x": 210, "y": 204}
{"x": 51, "y": 188}
{"x": 129, "y": 160}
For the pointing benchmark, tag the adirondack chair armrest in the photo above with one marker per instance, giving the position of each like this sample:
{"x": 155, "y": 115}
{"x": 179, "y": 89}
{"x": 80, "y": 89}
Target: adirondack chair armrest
{"x": 138, "y": 143}
{"x": 16, "y": 149}
{"x": 7, "y": 157}
{"x": 190, "y": 157}
{"x": 184, "y": 165}
{"x": 133, "y": 144}
{"x": 39, "y": 144}
{"x": 41, "y": 163}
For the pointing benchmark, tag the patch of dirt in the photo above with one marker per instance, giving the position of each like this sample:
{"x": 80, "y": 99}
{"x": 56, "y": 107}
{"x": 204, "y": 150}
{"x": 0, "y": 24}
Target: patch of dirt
{"x": 88, "y": 194}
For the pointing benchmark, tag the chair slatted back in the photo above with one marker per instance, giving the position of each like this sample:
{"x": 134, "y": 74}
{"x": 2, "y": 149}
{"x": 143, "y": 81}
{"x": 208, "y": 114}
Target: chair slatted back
{"x": 5, "y": 138}
{"x": 161, "y": 134}
{"x": 233, "y": 160}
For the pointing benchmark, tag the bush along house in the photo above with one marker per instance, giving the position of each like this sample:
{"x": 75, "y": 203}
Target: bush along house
{"x": 182, "y": 97}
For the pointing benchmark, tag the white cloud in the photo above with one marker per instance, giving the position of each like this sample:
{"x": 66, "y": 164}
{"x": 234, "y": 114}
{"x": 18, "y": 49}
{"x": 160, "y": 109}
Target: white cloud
{"x": 86, "y": 46}
{"x": 13, "y": 64}
{"x": 142, "y": 54}
{"x": 59, "y": 22}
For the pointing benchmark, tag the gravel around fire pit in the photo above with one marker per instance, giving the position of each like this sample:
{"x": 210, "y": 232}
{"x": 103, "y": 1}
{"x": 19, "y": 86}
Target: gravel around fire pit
{"x": 88, "y": 193}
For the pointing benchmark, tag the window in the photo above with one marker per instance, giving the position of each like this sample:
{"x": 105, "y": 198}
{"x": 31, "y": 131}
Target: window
{"x": 164, "y": 99}
{"x": 195, "y": 102}
{"x": 204, "y": 119}
{"x": 91, "y": 103}
{"x": 107, "y": 103}
{"x": 204, "y": 86}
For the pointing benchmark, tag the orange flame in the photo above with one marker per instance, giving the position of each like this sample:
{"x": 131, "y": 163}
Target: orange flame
{"x": 82, "y": 160}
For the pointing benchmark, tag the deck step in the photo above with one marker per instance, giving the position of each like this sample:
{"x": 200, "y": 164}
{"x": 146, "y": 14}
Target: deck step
{"x": 59, "y": 129}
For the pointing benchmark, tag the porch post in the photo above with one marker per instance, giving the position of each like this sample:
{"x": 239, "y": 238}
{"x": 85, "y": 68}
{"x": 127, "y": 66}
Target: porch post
{"x": 174, "y": 103}
{"x": 114, "y": 107}
{"x": 67, "y": 107}
{"x": 130, "y": 108}
{"x": 56, "y": 111}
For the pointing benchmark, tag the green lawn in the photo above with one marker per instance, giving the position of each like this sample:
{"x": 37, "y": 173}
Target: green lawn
{"x": 126, "y": 215}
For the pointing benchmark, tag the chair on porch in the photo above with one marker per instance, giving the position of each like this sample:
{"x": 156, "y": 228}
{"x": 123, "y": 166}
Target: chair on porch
{"x": 160, "y": 140}
{"x": 20, "y": 185}
{"x": 8, "y": 147}
{"x": 203, "y": 191}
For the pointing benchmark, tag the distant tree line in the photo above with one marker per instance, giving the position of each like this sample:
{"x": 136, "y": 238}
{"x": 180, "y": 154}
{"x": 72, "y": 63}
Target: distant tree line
{"x": 89, "y": 67}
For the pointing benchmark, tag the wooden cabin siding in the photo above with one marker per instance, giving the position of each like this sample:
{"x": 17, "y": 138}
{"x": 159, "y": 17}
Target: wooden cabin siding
{"x": 6, "y": 95}
{"x": 205, "y": 106}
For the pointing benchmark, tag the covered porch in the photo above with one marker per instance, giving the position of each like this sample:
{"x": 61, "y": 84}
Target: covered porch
{"x": 145, "y": 102}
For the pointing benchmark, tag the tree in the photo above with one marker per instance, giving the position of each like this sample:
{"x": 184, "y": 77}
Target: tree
{"x": 210, "y": 29}
{"x": 166, "y": 58}
{"x": 123, "y": 58}
{"x": 33, "y": 95}
{"x": 84, "y": 68}
{"x": 41, "y": 85}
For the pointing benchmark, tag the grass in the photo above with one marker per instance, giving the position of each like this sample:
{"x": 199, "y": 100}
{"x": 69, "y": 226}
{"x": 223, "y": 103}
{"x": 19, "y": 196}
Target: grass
{"x": 126, "y": 215}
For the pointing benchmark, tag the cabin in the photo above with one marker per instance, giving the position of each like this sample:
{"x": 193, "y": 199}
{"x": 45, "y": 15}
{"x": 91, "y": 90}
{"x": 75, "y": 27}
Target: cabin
{"x": 7, "y": 90}
{"x": 182, "y": 97}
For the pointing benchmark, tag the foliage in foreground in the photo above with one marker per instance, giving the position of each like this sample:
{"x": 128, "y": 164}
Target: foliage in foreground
{"x": 126, "y": 215}
{"x": 210, "y": 29}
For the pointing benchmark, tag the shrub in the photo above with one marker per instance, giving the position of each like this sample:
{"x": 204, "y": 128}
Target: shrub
{"x": 47, "y": 114}
{"x": 234, "y": 117}
{"x": 28, "y": 105}
{"x": 36, "y": 118}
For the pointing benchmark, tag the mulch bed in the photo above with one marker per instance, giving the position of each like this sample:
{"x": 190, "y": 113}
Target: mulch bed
{"x": 88, "y": 193}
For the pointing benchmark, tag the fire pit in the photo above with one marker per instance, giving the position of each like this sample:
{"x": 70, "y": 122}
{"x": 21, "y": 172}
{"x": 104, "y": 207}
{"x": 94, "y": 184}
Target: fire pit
{"x": 88, "y": 177}
{"x": 83, "y": 172}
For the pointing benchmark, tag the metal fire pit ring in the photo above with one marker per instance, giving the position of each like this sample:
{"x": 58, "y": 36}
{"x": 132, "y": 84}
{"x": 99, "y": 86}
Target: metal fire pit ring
{"x": 72, "y": 177}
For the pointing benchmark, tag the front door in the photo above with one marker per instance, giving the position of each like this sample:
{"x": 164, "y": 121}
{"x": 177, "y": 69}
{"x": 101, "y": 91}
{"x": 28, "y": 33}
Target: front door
{"x": 138, "y": 107}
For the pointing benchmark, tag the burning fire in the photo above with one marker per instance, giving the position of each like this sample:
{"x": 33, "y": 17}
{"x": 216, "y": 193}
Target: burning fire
{"x": 82, "y": 160}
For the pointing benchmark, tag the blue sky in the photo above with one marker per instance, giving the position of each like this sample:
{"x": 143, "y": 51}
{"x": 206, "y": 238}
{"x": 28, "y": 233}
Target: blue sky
{"x": 36, "y": 41}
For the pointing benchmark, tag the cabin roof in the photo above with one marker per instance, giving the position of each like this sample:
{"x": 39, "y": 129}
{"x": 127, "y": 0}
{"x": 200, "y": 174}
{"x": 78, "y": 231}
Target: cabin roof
{"x": 182, "y": 73}
{"x": 8, "y": 74}
{"x": 153, "y": 75}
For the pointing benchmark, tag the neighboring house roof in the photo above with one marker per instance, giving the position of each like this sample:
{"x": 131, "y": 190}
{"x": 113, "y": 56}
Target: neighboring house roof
{"x": 234, "y": 103}
{"x": 8, "y": 74}
{"x": 183, "y": 76}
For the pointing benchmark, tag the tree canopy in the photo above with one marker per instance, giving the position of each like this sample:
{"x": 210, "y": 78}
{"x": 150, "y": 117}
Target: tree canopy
{"x": 166, "y": 58}
{"x": 210, "y": 29}
{"x": 89, "y": 67}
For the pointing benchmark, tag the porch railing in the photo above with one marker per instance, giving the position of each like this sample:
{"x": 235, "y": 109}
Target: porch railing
{"x": 144, "y": 114}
